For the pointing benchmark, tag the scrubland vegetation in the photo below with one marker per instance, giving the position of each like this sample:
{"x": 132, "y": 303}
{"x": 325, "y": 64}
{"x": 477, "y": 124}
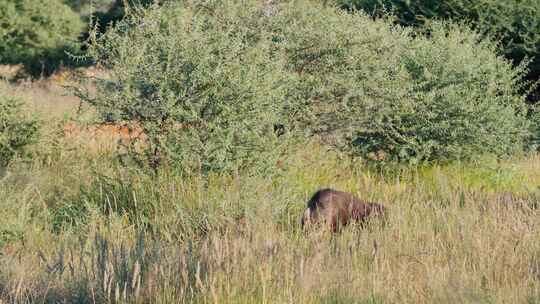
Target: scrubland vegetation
{"x": 247, "y": 108}
{"x": 514, "y": 23}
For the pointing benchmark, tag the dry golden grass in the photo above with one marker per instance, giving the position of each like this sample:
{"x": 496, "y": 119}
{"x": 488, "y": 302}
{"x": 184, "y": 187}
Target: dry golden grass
{"x": 447, "y": 241}
{"x": 77, "y": 228}
{"x": 49, "y": 97}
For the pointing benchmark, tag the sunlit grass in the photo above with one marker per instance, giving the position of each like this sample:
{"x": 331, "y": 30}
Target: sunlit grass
{"x": 78, "y": 228}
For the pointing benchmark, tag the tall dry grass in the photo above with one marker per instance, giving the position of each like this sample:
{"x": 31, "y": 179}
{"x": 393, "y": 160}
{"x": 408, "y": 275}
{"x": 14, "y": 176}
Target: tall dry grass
{"x": 76, "y": 227}
{"x": 454, "y": 235}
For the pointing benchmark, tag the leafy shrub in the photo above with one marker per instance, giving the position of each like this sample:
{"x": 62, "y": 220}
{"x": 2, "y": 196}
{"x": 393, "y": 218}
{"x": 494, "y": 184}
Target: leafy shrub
{"x": 463, "y": 102}
{"x": 534, "y": 117}
{"x": 515, "y": 22}
{"x": 209, "y": 80}
{"x": 200, "y": 83}
{"x": 16, "y": 130}
{"x": 375, "y": 88}
{"x": 37, "y": 33}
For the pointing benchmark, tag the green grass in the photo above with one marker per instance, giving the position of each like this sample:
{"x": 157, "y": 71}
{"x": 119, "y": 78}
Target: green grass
{"x": 78, "y": 228}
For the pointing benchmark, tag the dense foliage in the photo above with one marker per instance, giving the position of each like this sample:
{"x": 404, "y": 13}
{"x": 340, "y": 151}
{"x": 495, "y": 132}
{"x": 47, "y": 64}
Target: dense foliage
{"x": 37, "y": 33}
{"x": 202, "y": 87}
{"x": 17, "y": 130}
{"x": 516, "y": 22}
{"x": 207, "y": 81}
{"x": 377, "y": 89}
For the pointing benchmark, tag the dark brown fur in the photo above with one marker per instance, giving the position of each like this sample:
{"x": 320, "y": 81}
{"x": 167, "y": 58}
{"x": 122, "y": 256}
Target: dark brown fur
{"x": 338, "y": 209}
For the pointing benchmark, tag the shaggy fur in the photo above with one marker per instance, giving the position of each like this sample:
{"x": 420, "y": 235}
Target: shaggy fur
{"x": 338, "y": 209}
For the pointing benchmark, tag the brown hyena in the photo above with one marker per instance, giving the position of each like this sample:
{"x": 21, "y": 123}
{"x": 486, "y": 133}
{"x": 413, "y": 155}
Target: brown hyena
{"x": 338, "y": 208}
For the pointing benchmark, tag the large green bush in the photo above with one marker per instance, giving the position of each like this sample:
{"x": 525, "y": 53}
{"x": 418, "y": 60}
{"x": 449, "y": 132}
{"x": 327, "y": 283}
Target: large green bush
{"x": 515, "y": 22}
{"x": 208, "y": 81}
{"x": 37, "y": 33}
{"x": 201, "y": 82}
{"x": 373, "y": 87}
{"x": 17, "y": 130}
{"x": 463, "y": 102}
